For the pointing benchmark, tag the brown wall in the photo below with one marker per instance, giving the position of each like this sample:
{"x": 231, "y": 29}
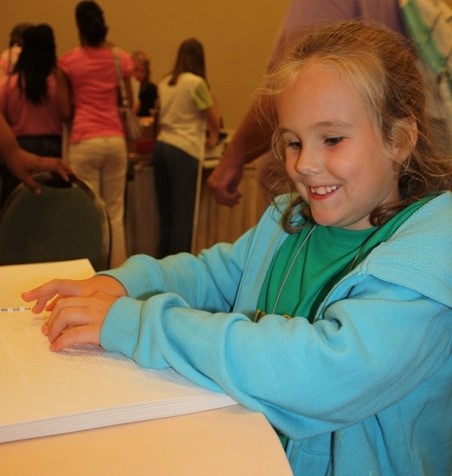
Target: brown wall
{"x": 237, "y": 34}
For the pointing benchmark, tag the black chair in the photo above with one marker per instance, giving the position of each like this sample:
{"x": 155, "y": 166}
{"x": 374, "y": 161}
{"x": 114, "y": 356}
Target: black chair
{"x": 67, "y": 221}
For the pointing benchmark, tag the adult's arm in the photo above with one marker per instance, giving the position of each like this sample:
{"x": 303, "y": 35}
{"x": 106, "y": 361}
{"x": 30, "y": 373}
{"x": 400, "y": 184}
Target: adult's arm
{"x": 251, "y": 140}
{"x": 23, "y": 164}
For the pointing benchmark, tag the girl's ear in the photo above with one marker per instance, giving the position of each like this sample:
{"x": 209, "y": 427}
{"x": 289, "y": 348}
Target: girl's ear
{"x": 406, "y": 135}
{"x": 412, "y": 131}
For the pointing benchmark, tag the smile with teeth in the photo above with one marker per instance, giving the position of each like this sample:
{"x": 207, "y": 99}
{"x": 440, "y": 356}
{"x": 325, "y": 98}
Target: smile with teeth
{"x": 324, "y": 190}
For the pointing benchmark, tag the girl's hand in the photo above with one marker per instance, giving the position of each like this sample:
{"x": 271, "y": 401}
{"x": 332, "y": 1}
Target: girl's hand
{"x": 61, "y": 288}
{"x": 77, "y": 320}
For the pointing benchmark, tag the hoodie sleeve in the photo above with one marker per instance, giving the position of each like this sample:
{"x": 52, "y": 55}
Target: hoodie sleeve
{"x": 370, "y": 350}
{"x": 209, "y": 281}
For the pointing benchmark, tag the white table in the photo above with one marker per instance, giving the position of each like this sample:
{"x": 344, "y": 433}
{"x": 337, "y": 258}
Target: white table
{"x": 231, "y": 441}
{"x": 226, "y": 441}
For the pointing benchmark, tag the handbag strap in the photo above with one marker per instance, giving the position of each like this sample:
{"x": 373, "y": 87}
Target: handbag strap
{"x": 122, "y": 86}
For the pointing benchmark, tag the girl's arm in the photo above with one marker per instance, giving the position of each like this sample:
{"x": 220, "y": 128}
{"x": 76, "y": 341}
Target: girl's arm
{"x": 60, "y": 288}
{"x": 208, "y": 281}
{"x": 84, "y": 303}
{"x": 370, "y": 351}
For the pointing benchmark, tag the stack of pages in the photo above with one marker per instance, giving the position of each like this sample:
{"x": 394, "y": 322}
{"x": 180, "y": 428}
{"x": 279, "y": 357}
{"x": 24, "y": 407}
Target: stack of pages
{"x": 45, "y": 393}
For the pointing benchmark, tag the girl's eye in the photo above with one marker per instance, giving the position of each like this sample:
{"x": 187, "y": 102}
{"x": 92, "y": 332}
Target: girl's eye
{"x": 332, "y": 141}
{"x": 293, "y": 144}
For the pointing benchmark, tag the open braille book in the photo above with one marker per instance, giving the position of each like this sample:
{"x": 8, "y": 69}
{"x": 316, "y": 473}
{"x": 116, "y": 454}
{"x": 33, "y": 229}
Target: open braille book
{"x": 44, "y": 393}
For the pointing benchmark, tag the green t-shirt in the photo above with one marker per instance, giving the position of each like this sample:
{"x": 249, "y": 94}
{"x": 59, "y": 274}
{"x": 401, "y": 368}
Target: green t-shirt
{"x": 310, "y": 262}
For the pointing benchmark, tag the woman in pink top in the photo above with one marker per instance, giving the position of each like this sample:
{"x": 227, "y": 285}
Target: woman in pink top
{"x": 97, "y": 149}
{"x": 29, "y": 98}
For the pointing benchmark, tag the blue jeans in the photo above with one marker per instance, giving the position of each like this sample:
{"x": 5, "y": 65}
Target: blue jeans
{"x": 175, "y": 175}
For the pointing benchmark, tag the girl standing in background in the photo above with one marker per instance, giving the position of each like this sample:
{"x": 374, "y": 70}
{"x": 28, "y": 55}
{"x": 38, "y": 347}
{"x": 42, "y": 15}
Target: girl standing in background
{"x": 187, "y": 123}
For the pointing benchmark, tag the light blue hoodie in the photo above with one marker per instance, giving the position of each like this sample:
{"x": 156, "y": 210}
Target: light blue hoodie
{"x": 364, "y": 390}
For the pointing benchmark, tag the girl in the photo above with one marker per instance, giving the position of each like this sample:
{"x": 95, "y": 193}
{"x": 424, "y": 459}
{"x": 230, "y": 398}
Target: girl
{"x": 97, "y": 149}
{"x": 333, "y": 316}
{"x": 186, "y": 111}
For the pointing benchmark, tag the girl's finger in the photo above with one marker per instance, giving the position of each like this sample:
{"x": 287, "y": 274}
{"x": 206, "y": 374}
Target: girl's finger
{"x": 68, "y": 312}
{"x": 42, "y": 294}
{"x": 76, "y": 335}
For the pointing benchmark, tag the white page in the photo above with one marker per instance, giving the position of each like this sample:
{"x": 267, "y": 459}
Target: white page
{"x": 43, "y": 392}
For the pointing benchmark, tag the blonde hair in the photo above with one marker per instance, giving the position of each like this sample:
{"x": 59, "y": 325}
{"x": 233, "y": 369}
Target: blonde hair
{"x": 381, "y": 67}
{"x": 141, "y": 57}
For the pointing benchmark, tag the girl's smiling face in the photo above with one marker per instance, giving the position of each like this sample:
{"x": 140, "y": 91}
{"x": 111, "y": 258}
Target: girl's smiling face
{"x": 334, "y": 155}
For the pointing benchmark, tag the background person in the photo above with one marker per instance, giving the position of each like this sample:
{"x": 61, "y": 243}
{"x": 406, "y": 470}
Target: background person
{"x": 187, "y": 123}
{"x": 29, "y": 98}
{"x": 97, "y": 149}
{"x": 147, "y": 93}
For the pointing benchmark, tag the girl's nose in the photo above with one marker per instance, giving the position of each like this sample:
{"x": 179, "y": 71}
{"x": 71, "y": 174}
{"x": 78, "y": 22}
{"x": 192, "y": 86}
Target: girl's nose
{"x": 307, "y": 163}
